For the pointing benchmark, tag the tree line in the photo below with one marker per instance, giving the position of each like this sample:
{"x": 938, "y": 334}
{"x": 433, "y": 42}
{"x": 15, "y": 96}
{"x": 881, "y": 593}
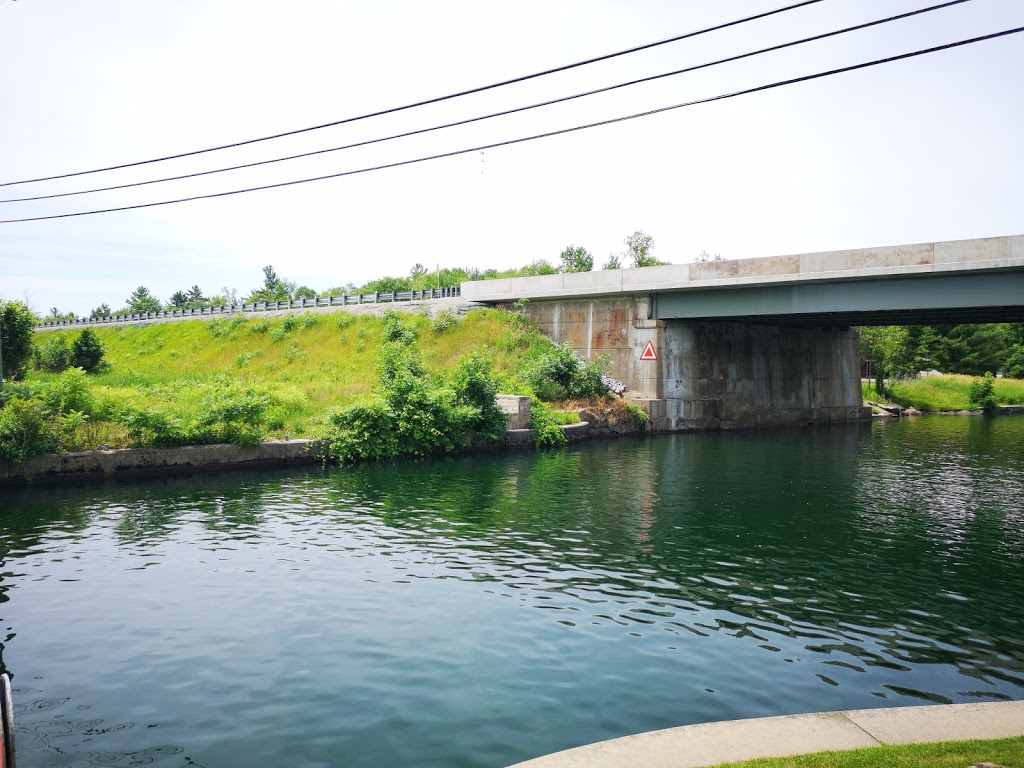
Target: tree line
{"x": 904, "y": 350}
{"x": 573, "y": 258}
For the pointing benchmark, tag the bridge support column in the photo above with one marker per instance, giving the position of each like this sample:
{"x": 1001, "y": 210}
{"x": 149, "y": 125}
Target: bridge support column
{"x": 714, "y": 375}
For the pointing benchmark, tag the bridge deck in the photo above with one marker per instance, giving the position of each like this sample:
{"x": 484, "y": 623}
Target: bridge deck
{"x": 950, "y": 257}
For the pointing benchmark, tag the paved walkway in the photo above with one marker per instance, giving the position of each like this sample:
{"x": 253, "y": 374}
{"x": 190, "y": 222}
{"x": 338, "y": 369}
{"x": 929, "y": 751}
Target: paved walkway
{"x": 692, "y": 746}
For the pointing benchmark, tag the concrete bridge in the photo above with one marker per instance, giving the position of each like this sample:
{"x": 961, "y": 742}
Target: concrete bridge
{"x": 763, "y": 341}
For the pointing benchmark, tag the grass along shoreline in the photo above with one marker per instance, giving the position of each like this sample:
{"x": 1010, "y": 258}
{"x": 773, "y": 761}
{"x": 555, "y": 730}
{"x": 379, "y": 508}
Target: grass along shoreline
{"x": 948, "y": 392}
{"x": 947, "y": 754}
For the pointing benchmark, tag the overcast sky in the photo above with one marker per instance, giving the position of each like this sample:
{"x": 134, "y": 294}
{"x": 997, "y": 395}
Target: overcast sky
{"x": 925, "y": 149}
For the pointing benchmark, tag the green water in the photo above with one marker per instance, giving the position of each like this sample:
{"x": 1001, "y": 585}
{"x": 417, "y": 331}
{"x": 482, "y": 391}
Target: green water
{"x": 483, "y": 610}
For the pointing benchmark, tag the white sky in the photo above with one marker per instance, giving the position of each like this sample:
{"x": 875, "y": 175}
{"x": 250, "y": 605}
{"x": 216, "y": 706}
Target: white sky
{"x": 920, "y": 150}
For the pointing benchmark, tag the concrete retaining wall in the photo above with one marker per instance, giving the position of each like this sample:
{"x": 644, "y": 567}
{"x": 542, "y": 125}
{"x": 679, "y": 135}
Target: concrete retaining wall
{"x": 123, "y": 461}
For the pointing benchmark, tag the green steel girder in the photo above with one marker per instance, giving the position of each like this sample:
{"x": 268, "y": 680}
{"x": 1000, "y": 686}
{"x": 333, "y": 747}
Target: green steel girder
{"x": 938, "y": 298}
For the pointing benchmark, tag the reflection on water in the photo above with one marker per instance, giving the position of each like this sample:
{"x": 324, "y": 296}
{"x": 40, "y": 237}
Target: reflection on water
{"x": 478, "y": 611}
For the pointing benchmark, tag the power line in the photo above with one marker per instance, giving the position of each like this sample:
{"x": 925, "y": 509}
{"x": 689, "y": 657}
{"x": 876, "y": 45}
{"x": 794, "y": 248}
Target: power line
{"x": 502, "y": 113}
{"x": 434, "y": 100}
{"x": 548, "y": 134}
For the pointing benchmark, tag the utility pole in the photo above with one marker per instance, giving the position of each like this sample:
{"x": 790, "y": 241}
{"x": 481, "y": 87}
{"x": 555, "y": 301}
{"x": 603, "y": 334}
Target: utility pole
{"x": 1, "y": 352}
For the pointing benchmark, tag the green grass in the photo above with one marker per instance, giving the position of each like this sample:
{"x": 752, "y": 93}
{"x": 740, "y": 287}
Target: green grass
{"x": 944, "y": 393}
{"x": 565, "y": 417}
{"x": 950, "y": 754}
{"x": 307, "y": 363}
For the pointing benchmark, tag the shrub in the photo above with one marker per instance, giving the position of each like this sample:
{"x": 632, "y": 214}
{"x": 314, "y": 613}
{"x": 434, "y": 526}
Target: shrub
{"x": 443, "y": 320}
{"x": 44, "y": 417}
{"x": 218, "y": 327}
{"x": 68, "y": 392}
{"x": 359, "y": 432}
{"x": 233, "y": 414}
{"x": 26, "y": 430}
{"x": 17, "y": 328}
{"x": 308, "y": 321}
{"x": 476, "y": 388}
{"x": 549, "y": 434}
{"x": 344, "y": 320}
{"x": 87, "y": 352}
{"x": 395, "y": 329}
{"x": 982, "y": 392}
{"x": 260, "y": 326}
{"x": 411, "y": 414}
{"x": 55, "y": 355}
{"x": 561, "y": 375}
{"x": 148, "y": 427}
{"x": 287, "y": 325}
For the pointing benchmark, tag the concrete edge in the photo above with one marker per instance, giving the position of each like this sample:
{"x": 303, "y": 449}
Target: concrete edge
{"x": 709, "y": 744}
{"x": 118, "y": 462}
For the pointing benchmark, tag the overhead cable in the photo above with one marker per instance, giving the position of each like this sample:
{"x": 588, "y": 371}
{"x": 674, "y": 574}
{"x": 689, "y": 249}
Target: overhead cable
{"x": 548, "y": 134}
{"x": 434, "y": 100}
{"x": 502, "y": 113}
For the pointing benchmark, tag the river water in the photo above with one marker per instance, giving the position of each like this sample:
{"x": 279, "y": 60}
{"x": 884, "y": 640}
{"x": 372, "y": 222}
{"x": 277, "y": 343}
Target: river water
{"x": 482, "y": 610}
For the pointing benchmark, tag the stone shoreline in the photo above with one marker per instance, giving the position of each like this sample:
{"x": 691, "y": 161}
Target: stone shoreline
{"x": 890, "y": 411}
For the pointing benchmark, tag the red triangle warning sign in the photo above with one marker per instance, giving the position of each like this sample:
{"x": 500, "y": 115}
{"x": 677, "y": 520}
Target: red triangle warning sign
{"x": 649, "y": 353}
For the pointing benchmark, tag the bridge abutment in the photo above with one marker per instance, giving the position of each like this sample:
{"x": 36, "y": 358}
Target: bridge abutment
{"x": 712, "y": 375}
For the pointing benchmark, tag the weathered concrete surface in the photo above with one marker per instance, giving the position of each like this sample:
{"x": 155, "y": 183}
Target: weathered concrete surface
{"x": 123, "y": 461}
{"x": 694, "y": 746}
{"x": 714, "y": 375}
{"x": 983, "y": 254}
{"x": 518, "y": 409}
{"x": 522, "y": 438}
{"x": 142, "y": 461}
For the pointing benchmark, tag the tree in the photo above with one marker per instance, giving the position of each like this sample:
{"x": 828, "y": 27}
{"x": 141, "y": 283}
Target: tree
{"x": 103, "y": 310}
{"x": 179, "y": 299}
{"x": 274, "y": 288}
{"x": 613, "y": 262}
{"x": 534, "y": 268}
{"x": 17, "y": 326}
{"x": 1014, "y": 365}
{"x": 195, "y": 293}
{"x": 54, "y": 355}
{"x": 142, "y": 301}
{"x": 387, "y": 285}
{"x": 638, "y": 250}
{"x": 891, "y": 350}
{"x": 576, "y": 258}
{"x": 418, "y": 273}
{"x": 87, "y": 351}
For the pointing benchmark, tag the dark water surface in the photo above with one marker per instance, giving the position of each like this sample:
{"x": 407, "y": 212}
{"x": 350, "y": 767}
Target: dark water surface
{"x": 483, "y": 610}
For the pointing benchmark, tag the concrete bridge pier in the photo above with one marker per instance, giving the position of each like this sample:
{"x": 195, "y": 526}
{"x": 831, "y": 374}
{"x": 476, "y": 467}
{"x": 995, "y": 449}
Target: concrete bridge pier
{"x": 713, "y": 375}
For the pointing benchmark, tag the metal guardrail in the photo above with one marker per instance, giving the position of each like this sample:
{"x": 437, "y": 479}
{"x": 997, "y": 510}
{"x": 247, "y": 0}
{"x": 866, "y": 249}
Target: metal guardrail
{"x": 267, "y": 306}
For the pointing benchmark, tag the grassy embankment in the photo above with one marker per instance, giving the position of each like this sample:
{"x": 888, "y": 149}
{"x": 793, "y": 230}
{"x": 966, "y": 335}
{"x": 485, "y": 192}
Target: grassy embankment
{"x": 949, "y": 392}
{"x": 952, "y": 754}
{"x": 303, "y": 365}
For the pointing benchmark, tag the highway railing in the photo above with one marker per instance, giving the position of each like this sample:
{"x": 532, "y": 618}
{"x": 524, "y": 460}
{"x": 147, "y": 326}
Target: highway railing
{"x": 265, "y": 306}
